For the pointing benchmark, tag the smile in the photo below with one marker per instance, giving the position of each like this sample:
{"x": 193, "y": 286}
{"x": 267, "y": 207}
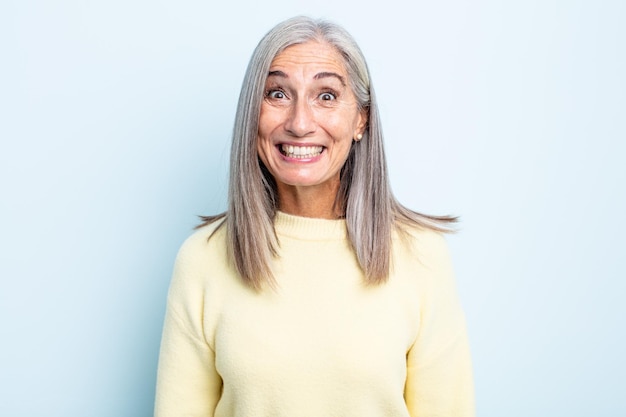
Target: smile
{"x": 300, "y": 152}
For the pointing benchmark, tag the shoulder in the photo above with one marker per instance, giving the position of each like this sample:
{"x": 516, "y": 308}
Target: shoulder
{"x": 421, "y": 243}
{"x": 202, "y": 242}
{"x": 201, "y": 256}
{"x": 195, "y": 287}
{"x": 421, "y": 258}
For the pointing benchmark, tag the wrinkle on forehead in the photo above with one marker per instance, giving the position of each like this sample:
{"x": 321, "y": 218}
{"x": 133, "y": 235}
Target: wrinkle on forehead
{"x": 318, "y": 76}
{"x": 313, "y": 58}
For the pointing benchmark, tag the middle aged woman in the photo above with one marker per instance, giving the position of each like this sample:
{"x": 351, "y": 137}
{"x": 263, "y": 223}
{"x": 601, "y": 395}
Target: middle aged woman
{"x": 316, "y": 293}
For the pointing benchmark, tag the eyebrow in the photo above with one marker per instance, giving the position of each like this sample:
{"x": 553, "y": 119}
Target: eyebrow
{"x": 277, "y": 74}
{"x": 317, "y": 76}
{"x": 321, "y": 75}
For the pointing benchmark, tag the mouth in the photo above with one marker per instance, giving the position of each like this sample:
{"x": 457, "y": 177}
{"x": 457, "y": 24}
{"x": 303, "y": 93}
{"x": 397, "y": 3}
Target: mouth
{"x": 300, "y": 152}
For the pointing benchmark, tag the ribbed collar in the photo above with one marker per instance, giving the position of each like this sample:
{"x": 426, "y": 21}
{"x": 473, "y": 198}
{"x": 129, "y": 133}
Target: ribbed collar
{"x": 307, "y": 228}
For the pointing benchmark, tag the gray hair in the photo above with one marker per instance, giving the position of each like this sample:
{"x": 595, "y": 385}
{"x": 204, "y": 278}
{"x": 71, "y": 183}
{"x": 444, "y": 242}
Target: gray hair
{"x": 371, "y": 211}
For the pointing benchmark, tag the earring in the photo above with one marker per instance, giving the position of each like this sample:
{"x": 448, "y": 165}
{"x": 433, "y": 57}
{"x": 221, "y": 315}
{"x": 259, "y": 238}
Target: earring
{"x": 359, "y": 137}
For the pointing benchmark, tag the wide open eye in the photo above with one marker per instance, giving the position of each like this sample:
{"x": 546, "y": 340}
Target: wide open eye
{"x": 327, "y": 96}
{"x": 275, "y": 94}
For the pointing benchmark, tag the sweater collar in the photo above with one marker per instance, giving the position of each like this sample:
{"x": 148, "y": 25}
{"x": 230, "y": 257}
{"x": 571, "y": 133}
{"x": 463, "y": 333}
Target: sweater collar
{"x": 308, "y": 228}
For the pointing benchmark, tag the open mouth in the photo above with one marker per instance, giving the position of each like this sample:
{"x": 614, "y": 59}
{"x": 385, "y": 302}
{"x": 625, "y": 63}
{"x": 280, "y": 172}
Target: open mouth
{"x": 300, "y": 152}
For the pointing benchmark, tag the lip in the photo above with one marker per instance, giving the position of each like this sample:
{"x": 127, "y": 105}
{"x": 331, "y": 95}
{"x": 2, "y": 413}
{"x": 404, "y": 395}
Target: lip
{"x": 299, "y": 144}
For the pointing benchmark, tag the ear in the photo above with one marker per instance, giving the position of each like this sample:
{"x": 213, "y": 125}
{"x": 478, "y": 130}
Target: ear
{"x": 361, "y": 123}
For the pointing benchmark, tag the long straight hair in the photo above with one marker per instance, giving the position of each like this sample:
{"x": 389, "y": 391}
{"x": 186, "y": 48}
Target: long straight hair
{"x": 371, "y": 210}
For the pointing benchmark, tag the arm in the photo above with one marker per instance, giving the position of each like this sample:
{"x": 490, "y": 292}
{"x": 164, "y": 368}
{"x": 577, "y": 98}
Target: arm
{"x": 439, "y": 373}
{"x": 187, "y": 381}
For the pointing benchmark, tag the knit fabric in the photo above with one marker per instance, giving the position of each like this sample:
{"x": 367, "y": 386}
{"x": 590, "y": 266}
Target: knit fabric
{"x": 323, "y": 343}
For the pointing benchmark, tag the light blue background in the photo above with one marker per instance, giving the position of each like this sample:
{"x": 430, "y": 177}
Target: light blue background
{"x": 114, "y": 123}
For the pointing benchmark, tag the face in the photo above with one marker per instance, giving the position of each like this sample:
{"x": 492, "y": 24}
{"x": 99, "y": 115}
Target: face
{"x": 309, "y": 117}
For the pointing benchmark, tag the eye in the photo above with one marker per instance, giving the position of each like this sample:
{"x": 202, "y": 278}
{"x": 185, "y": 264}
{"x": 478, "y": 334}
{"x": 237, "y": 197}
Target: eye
{"x": 275, "y": 94}
{"x": 327, "y": 96}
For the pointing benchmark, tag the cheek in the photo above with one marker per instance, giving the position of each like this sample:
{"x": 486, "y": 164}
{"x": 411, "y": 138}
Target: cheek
{"x": 269, "y": 118}
{"x": 264, "y": 141}
{"x": 262, "y": 133}
{"x": 262, "y": 149}
{"x": 344, "y": 124}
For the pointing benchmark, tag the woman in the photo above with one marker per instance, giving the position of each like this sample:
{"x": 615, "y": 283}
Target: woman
{"x": 316, "y": 293}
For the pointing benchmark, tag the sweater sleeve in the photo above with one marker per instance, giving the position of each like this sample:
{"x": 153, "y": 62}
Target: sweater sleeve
{"x": 439, "y": 373}
{"x": 187, "y": 382}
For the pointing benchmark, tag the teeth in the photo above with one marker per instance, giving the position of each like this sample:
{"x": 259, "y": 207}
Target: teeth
{"x": 301, "y": 152}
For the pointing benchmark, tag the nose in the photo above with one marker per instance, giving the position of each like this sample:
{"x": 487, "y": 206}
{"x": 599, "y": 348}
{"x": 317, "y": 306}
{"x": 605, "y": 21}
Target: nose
{"x": 301, "y": 119}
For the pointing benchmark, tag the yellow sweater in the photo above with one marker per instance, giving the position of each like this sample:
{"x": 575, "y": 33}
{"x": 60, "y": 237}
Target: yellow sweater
{"x": 323, "y": 344}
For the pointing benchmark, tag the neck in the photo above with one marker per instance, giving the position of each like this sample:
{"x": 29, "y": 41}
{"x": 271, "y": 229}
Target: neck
{"x": 318, "y": 202}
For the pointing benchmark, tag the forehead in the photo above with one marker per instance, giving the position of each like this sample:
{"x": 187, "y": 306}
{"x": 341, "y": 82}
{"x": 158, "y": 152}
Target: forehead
{"x": 312, "y": 56}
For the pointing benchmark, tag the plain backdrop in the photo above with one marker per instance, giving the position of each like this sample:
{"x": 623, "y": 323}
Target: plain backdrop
{"x": 115, "y": 121}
